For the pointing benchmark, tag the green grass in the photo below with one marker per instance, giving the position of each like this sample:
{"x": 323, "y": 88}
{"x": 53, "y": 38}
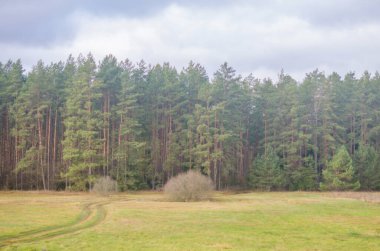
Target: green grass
{"x": 145, "y": 221}
{"x": 25, "y": 213}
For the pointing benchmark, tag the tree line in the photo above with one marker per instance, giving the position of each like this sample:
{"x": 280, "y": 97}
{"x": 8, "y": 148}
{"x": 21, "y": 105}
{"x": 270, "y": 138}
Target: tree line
{"x": 65, "y": 124}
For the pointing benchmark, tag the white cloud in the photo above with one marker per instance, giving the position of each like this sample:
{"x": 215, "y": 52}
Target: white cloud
{"x": 248, "y": 38}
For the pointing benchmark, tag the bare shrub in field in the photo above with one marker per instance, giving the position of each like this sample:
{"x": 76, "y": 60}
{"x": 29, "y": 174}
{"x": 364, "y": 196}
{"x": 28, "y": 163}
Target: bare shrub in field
{"x": 105, "y": 185}
{"x": 189, "y": 186}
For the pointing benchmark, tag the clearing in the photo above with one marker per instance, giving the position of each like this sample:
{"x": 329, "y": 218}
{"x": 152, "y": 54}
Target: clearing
{"x": 146, "y": 221}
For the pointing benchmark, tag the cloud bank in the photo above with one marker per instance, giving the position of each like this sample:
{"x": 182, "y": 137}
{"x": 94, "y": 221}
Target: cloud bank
{"x": 259, "y": 37}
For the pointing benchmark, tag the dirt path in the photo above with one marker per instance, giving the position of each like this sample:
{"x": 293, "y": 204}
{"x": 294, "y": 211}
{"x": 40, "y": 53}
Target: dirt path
{"x": 91, "y": 215}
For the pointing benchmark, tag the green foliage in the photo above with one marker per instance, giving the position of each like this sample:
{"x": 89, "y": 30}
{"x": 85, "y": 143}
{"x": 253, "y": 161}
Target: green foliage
{"x": 28, "y": 162}
{"x": 339, "y": 174}
{"x": 63, "y": 124}
{"x": 266, "y": 173}
{"x": 305, "y": 178}
{"x": 367, "y": 167}
{"x": 81, "y": 144}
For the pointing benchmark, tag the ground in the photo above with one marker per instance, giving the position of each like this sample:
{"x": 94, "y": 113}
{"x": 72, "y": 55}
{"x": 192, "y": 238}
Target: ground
{"x": 147, "y": 221}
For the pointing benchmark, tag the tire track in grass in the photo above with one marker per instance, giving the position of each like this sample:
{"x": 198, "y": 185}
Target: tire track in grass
{"x": 91, "y": 215}
{"x": 83, "y": 215}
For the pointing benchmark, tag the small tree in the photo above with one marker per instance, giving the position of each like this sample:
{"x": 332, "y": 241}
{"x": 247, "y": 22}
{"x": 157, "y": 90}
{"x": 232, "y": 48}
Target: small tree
{"x": 189, "y": 186}
{"x": 265, "y": 173}
{"x": 339, "y": 174}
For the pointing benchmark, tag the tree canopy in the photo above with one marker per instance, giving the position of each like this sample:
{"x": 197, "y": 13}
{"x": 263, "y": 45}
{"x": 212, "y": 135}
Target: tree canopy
{"x": 65, "y": 124}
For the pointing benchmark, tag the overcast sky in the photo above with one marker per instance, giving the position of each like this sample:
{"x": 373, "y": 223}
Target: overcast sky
{"x": 260, "y": 37}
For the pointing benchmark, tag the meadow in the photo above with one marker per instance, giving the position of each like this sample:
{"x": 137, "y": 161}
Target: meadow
{"x": 148, "y": 221}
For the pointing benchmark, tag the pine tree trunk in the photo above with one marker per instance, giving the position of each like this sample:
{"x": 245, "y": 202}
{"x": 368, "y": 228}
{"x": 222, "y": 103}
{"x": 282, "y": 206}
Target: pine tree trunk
{"x": 241, "y": 171}
{"x": 215, "y": 160}
{"x": 108, "y": 132}
{"x": 54, "y": 160}
{"x": 104, "y": 133}
{"x": 48, "y": 147}
{"x": 40, "y": 149}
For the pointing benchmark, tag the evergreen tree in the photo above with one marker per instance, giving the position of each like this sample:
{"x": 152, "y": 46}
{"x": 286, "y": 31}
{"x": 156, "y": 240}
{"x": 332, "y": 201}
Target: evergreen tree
{"x": 11, "y": 83}
{"x": 367, "y": 167}
{"x": 339, "y": 174}
{"x": 63, "y": 125}
{"x": 129, "y": 155}
{"x": 82, "y": 141}
{"x": 266, "y": 173}
{"x": 196, "y": 113}
{"x": 108, "y": 76}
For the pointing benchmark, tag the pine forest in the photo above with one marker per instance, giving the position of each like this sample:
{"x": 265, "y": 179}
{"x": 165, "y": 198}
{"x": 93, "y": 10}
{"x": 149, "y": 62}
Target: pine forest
{"x": 65, "y": 124}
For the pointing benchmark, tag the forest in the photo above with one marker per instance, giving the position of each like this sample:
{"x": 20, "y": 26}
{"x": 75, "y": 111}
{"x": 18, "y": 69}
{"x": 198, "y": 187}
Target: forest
{"x": 65, "y": 124}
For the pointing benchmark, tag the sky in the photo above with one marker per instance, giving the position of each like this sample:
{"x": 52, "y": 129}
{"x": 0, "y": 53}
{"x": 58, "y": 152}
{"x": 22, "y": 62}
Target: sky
{"x": 260, "y": 37}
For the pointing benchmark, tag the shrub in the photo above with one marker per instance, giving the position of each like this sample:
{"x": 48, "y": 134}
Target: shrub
{"x": 105, "y": 185}
{"x": 189, "y": 186}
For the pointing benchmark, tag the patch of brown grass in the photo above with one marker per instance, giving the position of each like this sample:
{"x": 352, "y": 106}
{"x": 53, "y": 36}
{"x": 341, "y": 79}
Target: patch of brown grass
{"x": 363, "y": 196}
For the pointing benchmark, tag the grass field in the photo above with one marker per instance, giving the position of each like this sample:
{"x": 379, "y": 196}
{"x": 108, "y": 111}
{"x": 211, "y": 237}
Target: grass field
{"x": 146, "y": 221}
